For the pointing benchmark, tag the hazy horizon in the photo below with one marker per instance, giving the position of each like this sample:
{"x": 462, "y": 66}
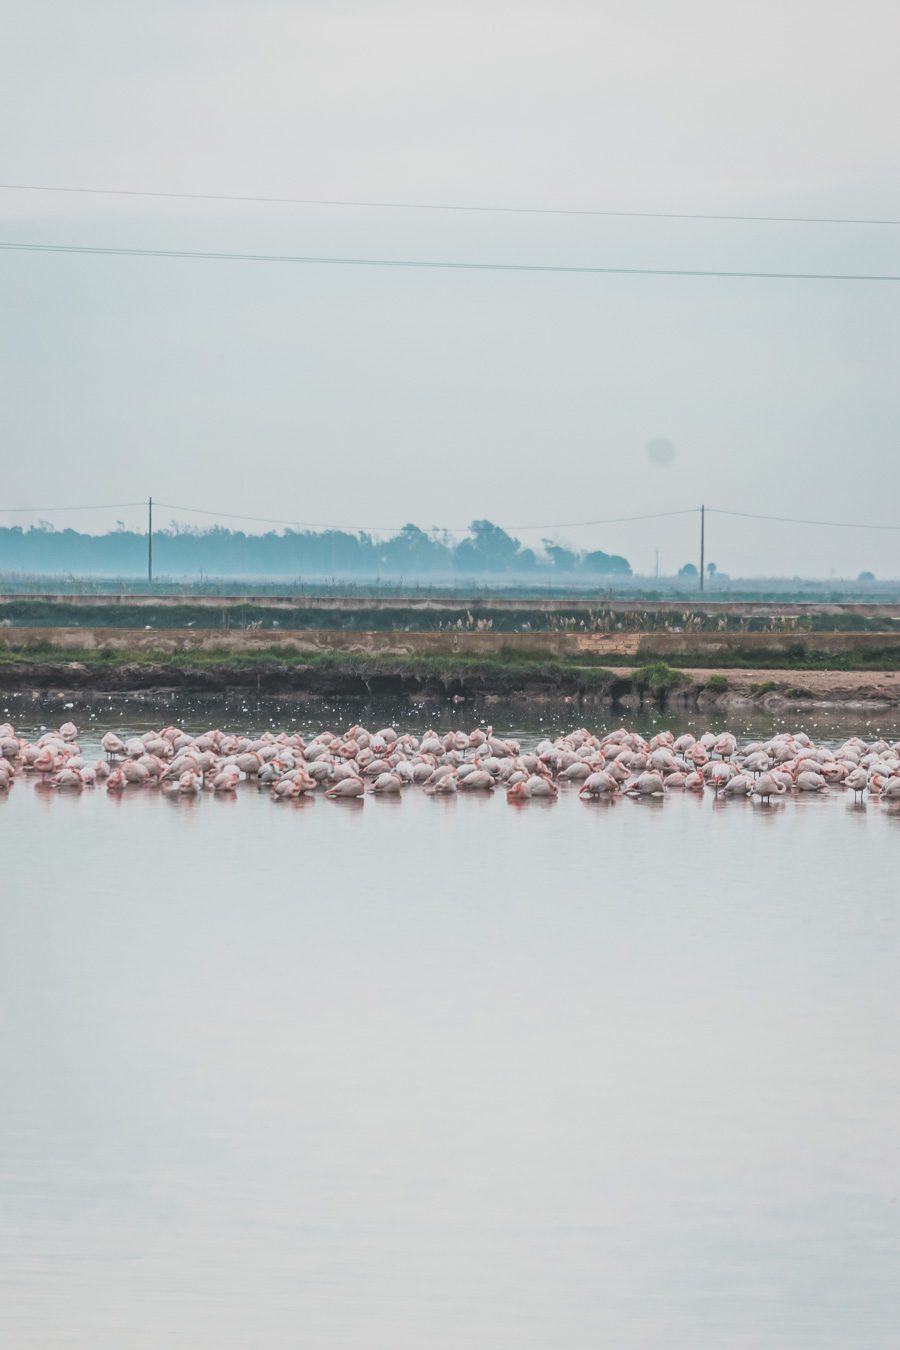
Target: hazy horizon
{"x": 373, "y": 398}
{"x": 484, "y": 554}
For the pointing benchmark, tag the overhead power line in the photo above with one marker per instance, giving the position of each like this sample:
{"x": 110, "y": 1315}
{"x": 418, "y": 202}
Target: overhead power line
{"x": 51, "y": 510}
{"x": 448, "y": 206}
{"x": 443, "y": 264}
{"x": 332, "y": 525}
{"x": 796, "y": 520}
{"x": 435, "y": 529}
{"x": 457, "y": 529}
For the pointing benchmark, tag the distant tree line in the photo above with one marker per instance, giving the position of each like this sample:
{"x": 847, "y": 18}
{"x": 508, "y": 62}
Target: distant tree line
{"x": 178, "y": 550}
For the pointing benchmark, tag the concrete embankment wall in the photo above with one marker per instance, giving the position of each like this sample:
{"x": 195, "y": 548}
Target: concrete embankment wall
{"x": 593, "y": 647}
{"x": 243, "y": 642}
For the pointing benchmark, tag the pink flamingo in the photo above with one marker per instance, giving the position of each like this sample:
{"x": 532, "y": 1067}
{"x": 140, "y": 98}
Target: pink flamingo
{"x": 347, "y": 788}
{"x": 766, "y": 786}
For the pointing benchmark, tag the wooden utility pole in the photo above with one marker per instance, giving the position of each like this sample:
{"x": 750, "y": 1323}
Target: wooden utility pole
{"x": 150, "y": 540}
{"x": 702, "y": 542}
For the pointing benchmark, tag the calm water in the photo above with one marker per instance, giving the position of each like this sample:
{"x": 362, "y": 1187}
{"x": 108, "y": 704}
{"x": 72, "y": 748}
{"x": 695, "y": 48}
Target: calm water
{"x": 442, "y": 1073}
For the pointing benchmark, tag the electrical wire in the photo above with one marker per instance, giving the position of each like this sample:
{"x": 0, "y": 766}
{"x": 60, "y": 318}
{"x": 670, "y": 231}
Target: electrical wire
{"x": 50, "y": 510}
{"x": 439, "y": 264}
{"x": 454, "y": 529}
{"x": 435, "y": 529}
{"x": 448, "y": 206}
{"x": 795, "y": 520}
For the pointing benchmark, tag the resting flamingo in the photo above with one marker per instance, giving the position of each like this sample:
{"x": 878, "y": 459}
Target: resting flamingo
{"x": 347, "y": 788}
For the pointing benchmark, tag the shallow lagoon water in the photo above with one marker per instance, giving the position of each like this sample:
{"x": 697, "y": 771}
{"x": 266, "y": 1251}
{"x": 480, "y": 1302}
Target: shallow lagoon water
{"x": 443, "y": 1072}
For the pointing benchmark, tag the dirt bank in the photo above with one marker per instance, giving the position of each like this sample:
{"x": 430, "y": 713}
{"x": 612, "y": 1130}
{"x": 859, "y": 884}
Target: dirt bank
{"x": 800, "y": 686}
{"x": 626, "y": 687}
{"x": 712, "y": 651}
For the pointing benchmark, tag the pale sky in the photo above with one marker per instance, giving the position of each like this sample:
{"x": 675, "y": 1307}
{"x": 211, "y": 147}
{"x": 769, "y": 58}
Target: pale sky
{"x": 375, "y": 397}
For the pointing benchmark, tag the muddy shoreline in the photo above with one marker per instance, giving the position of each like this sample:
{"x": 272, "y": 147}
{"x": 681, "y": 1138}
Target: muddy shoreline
{"x": 706, "y": 688}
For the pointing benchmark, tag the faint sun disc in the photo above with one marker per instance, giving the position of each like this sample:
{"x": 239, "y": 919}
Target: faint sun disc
{"x": 661, "y": 452}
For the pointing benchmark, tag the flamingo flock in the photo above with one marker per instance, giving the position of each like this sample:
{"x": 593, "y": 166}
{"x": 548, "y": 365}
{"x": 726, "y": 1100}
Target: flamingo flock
{"x": 353, "y": 764}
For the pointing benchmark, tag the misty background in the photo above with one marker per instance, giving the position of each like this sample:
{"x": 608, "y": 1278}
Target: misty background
{"x": 372, "y": 398}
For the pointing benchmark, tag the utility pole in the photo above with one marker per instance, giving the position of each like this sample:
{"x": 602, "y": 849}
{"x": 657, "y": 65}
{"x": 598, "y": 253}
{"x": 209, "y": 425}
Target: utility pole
{"x": 150, "y": 540}
{"x": 702, "y": 542}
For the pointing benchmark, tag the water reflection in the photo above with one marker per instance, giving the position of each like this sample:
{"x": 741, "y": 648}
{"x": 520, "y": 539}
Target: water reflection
{"x": 769, "y": 809}
{"x": 130, "y": 713}
{"x": 451, "y": 1075}
{"x": 445, "y": 800}
{"x": 606, "y": 802}
{"x": 533, "y": 803}
{"x": 182, "y": 801}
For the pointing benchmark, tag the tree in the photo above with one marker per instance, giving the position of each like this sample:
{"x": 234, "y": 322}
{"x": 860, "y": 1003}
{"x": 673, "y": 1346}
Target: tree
{"x": 605, "y": 564}
{"x": 689, "y": 570}
{"x": 190, "y": 550}
{"x": 866, "y": 576}
{"x": 711, "y": 570}
{"x": 488, "y": 549}
{"x": 563, "y": 558}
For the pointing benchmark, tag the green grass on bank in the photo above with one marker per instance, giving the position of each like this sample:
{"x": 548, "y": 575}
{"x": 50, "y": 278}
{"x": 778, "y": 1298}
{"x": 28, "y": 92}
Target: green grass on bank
{"x": 794, "y": 657}
{"x": 588, "y": 615}
{"x": 656, "y": 674}
{"x": 659, "y": 677}
{"x": 445, "y": 666}
{"x": 717, "y": 683}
